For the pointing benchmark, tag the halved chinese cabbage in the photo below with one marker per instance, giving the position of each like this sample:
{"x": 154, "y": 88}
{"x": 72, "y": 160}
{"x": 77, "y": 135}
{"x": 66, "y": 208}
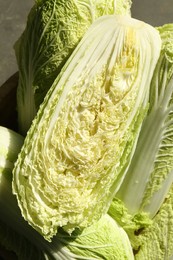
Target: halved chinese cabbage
{"x": 82, "y": 139}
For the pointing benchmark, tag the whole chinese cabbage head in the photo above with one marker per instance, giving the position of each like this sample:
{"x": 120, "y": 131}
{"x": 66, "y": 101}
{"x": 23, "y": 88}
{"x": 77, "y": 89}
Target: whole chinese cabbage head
{"x": 53, "y": 30}
{"x": 80, "y": 144}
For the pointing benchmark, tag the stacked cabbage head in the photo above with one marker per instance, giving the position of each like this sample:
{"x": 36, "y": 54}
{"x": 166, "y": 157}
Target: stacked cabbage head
{"x": 53, "y": 30}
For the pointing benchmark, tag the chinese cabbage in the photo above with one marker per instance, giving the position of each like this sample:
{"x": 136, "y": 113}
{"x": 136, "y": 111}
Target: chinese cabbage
{"x": 80, "y": 144}
{"x": 151, "y": 171}
{"x": 53, "y": 30}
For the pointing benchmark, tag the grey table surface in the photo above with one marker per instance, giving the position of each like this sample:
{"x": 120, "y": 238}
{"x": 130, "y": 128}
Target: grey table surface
{"x": 13, "y": 15}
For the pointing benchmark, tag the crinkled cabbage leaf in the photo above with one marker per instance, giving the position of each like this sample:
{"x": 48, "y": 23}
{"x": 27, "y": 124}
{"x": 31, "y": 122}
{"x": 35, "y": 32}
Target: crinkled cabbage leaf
{"x": 102, "y": 240}
{"x": 156, "y": 241}
{"x": 53, "y": 30}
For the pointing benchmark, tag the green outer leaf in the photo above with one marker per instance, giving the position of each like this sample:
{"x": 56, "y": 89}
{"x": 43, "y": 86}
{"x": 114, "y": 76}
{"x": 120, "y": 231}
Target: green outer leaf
{"x": 132, "y": 224}
{"x": 71, "y": 163}
{"x": 53, "y": 30}
{"x": 103, "y": 240}
{"x": 156, "y": 241}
